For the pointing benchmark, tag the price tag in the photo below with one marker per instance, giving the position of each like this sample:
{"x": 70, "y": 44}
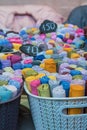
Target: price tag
{"x": 30, "y": 50}
{"x": 48, "y": 26}
{"x": 5, "y": 49}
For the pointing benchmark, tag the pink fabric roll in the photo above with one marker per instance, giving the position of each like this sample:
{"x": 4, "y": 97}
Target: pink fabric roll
{"x": 14, "y": 58}
{"x": 34, "y": 85}
{"x": 28, "y": 61}
{"x": 15, "y": 40}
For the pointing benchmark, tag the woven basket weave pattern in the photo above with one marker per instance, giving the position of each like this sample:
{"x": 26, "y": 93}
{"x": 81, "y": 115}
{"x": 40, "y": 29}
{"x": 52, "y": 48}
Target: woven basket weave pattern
{"x": 48, "y": 113}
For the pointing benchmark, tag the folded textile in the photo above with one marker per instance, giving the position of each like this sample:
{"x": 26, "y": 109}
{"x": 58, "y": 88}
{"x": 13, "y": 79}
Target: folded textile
{"x": 5, "y": 94}
{"x": 43, "y": 90}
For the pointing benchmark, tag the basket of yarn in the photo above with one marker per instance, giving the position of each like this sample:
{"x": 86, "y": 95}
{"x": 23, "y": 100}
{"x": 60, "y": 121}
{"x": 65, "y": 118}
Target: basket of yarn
{"x": 57, "y": 86}
{"x": 11, "y": 87}
{"x": 51, "y": 113}
{"x": 11, "y": 82}
{"x": 9, "y": 111}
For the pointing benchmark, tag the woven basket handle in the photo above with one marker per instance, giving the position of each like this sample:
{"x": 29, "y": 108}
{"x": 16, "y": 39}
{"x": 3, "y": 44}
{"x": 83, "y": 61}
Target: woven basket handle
{"x": 73, "y": 106}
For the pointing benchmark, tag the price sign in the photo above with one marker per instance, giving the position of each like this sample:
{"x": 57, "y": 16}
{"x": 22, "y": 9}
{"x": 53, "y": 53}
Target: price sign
{"x": 5, "y": 49}
{"x": 48, "y": 26}
{"x": 30, "y": 50}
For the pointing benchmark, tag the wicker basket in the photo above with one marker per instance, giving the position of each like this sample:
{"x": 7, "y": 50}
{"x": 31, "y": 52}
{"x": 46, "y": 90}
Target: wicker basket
{"x": 48, "y": 113}
{"x": 9, "y": 113}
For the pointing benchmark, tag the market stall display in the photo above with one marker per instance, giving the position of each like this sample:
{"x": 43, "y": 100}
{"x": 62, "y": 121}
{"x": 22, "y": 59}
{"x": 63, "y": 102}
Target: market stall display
{"x": 52, "y": 62}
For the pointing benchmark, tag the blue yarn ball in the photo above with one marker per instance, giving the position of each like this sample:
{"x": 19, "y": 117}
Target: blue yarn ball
{"x": 26, "y": 66}
{"x": 66, "y": 86}
{"x": 60, "y": 36}
{"x": 44, "y": 80}
{"x": 75, "y": 72}
{"x": 5, "y": 94}
{"x": 39, "y": 57}
{"x": 17, "y": 66}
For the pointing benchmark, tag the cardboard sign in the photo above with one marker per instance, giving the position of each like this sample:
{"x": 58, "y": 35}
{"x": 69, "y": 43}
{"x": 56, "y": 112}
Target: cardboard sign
{"x": 48, "y": 26}
{"x": 30, "y": 50}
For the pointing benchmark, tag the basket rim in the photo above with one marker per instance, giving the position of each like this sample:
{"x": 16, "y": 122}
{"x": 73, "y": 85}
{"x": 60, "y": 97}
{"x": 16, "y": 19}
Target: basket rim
{"x": 18, "y": 95}
{"x": 51, "y": 98}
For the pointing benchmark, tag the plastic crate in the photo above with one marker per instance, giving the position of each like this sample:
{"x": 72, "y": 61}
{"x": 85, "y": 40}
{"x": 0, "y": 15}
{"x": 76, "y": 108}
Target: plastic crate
{"x": 9, "y": 113}
{"x": 48, "y": 113}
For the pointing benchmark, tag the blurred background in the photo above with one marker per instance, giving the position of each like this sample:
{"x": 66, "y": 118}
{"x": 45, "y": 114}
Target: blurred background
{"x": 62, "y": 7}
{"x": 16, "y": 14}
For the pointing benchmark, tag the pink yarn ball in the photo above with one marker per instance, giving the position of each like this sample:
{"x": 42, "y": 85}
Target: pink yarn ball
{"x": 69, "y": 41}
{"x": 34, "y": 84}
{"x": 28, "y": 61}
{"x": 42, "y": 36}
{"x": 80, "y": 32}
{"x": 53, "y": 36}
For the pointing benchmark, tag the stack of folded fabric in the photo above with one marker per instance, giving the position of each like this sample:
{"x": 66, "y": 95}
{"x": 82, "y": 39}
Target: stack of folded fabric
{"x": 10, "y": 86}
{"x": 52, "y": 71}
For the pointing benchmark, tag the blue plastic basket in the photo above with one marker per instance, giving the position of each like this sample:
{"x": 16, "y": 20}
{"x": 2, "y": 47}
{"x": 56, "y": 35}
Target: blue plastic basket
{"x": 48, "y": 113}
